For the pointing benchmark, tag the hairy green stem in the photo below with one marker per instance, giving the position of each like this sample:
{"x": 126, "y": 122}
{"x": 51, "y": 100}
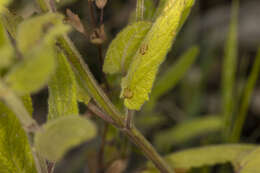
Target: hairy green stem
{"x": 89, "y": 84}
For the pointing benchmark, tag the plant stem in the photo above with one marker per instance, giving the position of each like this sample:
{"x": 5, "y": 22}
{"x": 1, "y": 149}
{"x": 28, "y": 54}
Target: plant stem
{"x": 129, "y": 119}
{"x": 88, "y": 83}
{"x": 139, "y": 10}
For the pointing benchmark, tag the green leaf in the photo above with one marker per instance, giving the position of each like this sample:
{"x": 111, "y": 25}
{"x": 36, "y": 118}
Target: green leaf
{"x": 33, "y": 72}
{"x": 250, "y": 163}
{"x": 186, "y": 131}
{"x": 173, "y": 75}
{"x": 15, "y": 152}
{"x": 123, "y": 47}
{"x": 209, "y": 155}
{"x": 246, "y": 97}
{"x": 229, "y": 70}
{"x": 40, "y": 29}
{"x": 137, "y": 85}
{"x": 6, "y": 50}
{"x": 64, "y": 133}
{"x": 62, "y": 90}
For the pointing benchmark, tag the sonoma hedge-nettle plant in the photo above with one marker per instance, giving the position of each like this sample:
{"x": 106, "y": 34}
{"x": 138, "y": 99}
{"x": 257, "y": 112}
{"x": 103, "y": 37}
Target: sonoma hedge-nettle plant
{"x": 36, "y": 52}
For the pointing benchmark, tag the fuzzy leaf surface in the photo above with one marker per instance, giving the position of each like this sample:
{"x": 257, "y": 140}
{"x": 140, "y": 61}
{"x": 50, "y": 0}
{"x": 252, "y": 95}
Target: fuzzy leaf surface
{"x": 33, "y": 72}
{"x": 40, "y": 29}
{"x": 123, "y": 48}
{"x": 15, "y": 152}
{"x": 62, "y": 90}
{"x": 137, "y": 85}
{"x": 64, "y": 133}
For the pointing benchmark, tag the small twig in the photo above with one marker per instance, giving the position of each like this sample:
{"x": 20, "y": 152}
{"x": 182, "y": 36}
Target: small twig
{"x": 129, "y": 119}
{"x": 102, "y": 149}
{"x": 91, "y": 13}
{"x": 94, "y": 109}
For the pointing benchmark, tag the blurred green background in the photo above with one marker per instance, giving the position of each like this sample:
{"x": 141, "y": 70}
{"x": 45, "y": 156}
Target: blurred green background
{"x": 189, "y": 107}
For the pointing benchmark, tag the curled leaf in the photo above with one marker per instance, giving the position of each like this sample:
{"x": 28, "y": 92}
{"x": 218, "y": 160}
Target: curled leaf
{"x": 122, "y": 49}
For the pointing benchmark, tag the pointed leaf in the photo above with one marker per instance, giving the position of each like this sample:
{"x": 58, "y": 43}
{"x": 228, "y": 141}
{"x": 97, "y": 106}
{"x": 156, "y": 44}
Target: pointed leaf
{"x": 137, "y": 85}
{"x": 124, "y": 46}
{"x": 247, "y": 94}
{"x": 229, "y": 71}
{"x": 62, "y": 90}
{"x": 209, "y": 155}
{"x": 15, "y": 152}
{"x": 64, "y": 133}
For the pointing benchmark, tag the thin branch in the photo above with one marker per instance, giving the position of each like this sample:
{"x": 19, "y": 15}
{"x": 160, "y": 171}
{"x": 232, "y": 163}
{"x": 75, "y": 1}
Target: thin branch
{"x": 129, "y": 119}
{"x": 100, "y": 157}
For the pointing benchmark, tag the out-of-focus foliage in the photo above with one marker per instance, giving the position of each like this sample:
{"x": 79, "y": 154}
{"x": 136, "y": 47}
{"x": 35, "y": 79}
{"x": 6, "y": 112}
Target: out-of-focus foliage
{"x": 209, "y": 155}
{"x": 187, "y": 131}
{"x": 64, "y": 133}
{"x": 229, "y": 69}
{"x": 35, "y": 39}
{"x": 249, "y": 163}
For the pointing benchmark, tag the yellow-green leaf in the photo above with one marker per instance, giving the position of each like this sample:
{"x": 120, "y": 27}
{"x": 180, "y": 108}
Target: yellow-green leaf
{"x": 137, "y": 85}
{"x": 15, "y": 152}
{"x": 122, "y": 49}
{"x": 33, "y": 72}
{"x": 62, "y": 90}
{"x": 40, "y": 29}
{"x": 60, "y": 135}
{"x": 250, "y": 163}
{"x": 209, "y": 155}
